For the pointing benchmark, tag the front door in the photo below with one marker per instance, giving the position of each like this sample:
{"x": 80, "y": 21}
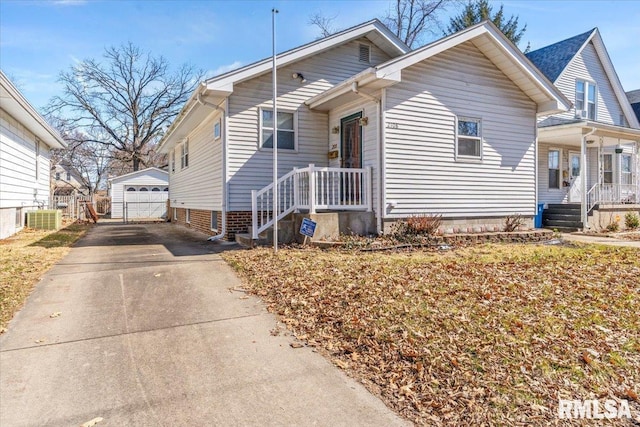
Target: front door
{"x": 575, "y": 179}
{"x": 351, "y": 157}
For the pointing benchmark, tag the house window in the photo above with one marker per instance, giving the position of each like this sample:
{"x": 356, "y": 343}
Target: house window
{"x": 607, "y": 169}
{"x": 554, "y": 169}
{"x": 175, "y": 214}
{"x": 173, "y": 161}
{"x": 68, "y": 176}
{"x": 586, "y": 95}
{"x": 364, "y": 53}
{"x": 216, "y": 130}
{"x": 623, "y": 120}
{"x": 184, "y": 155}
{"x": 131, "y": 189}
{"x": 57, "y": 176}
{"x": 143, "y": 189}
{"x": 155, "y": 189}
{"x": 188, "y": 216}
{"x": 286, "y": 130}
{"x": 214, "y": 220}
{"x": 626, "y": 170}
{"x": 469, "y": 139}
{"x": 18, "y": 217}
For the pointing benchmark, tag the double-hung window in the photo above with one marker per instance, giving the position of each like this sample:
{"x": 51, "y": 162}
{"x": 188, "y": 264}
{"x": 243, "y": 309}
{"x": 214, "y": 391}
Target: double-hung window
{"x": 173, "y": 161}
{"x": 554, "y": 169}
{"x": 469, "y": 139}
{"x": 626, "y": 173}
{"x": 607, "y": 168}
{"x": 586, "y": 96}
{"x": 286, "y": 129}
{"x": 217, "y": 130}
{"x": 184, "y": 155}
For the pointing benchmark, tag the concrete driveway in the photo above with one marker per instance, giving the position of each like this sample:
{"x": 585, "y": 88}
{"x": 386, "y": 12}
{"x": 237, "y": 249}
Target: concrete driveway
{"x": 138, "y": 326}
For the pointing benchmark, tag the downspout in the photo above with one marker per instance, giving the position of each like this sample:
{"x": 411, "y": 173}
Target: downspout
{"x": 583, "y": 177}
{"x": 201, "y": 101}
{"x": 378, "y": 102}
{"x": 536, "y": 155}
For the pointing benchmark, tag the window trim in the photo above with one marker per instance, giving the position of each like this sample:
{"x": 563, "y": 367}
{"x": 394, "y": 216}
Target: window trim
{"x": 217, "y": 130}
{"x": 175, "y": 214}
{"x": 461, "y": 157}
{"x": 559, "y": 169}
{"x": 214, "y": 214}
{"x": 611, "y": 171}
{"x": 585, "y": 99}
{"x": 184, "y": 154}
{"x": 187, "y": 216}
{"x": 623, "y": 172}
{"x": 172, "y": 159}
{"x": 295, "y": 130}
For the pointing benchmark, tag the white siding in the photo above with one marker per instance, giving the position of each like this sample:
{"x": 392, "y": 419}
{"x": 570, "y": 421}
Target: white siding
{"x": 369, "y": 138}
{"x": 251, "y": 168}
{"x": 150, "y": 177}
{"x": 422, "y": 175}
{"x": 587, "y": 66}
{"x": 546, "y": 194}
{"x": 199, "y": 186}
{"x": 18, "y": 182}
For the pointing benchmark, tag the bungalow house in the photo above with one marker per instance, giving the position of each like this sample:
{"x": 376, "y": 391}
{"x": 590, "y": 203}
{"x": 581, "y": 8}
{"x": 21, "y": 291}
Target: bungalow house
{"x": 588, "y": 164}
{"x": 365, "y": 125}
{"x": 66, "y": 180}
{"x": 26, "y": 140}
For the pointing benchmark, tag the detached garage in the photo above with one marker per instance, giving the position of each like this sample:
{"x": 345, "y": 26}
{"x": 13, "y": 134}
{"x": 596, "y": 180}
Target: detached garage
{"x": 140, "y": 195}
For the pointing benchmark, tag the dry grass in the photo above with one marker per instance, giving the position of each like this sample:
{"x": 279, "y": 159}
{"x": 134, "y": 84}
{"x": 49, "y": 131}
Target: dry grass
{"x": 25, "y": 257}
{"x": 485, "y": 335}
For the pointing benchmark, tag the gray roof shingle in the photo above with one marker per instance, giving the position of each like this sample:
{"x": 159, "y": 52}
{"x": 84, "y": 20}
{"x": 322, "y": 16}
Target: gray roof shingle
{"x": 552, "y": 59}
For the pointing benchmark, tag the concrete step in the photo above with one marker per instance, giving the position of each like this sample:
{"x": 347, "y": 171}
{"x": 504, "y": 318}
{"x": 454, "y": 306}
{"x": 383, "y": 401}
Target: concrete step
{"x": 244, "y": 239}
{"x": 563, "y": 209}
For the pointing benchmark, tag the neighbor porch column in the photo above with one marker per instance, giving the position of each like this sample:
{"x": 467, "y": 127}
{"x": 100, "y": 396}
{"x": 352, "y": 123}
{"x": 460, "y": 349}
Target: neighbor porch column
{"x": 583, "y": 183}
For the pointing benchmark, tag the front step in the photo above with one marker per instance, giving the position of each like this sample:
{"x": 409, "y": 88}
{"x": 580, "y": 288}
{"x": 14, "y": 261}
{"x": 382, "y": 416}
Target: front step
{"x": 563, "y": 217}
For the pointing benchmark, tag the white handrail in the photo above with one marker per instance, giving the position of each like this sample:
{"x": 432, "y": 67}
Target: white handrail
{"x": 312, "y": 188}
{"x": 612, "y": 194}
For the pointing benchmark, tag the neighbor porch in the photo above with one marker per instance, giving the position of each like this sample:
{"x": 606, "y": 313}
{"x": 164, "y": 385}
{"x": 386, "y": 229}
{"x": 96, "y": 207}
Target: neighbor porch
{"x": 591, "y": 165}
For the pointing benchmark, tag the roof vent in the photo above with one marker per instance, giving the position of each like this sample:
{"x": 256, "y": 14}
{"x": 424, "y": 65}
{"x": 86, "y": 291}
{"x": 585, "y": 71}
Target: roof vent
{"x": 365, "y": 53}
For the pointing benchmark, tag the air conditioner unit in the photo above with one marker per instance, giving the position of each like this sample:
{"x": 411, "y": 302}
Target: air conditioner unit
{"x": 45, "y": 219}
{"x": 581, "y": 114}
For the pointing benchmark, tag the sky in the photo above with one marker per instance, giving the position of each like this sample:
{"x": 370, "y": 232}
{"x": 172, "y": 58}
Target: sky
{"x": 41, "y": 38}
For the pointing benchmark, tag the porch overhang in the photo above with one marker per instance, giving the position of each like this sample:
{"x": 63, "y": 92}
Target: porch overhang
{"x": 369, "y": 81}
{"x": 572, "y": 133}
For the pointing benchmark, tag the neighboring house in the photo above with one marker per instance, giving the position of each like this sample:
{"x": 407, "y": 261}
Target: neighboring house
{"x": 66, "y": 181}
{"x": 140, "y": 194}
{"x": 634, "y": 100}
{"x": 446, "y": 129}
{"x": 25, "y": 143}
{"x": 588, "y": 156}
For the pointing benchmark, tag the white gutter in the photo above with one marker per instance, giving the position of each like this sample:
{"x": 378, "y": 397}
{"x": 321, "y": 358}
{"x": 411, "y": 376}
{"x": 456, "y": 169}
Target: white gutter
{"x": 378, "y": 102}
{"x": 225, "y": 111}
{"x": 583, "y": 176}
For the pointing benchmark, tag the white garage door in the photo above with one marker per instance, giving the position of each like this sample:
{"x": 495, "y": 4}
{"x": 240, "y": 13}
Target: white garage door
{"x": 145, "y": 201}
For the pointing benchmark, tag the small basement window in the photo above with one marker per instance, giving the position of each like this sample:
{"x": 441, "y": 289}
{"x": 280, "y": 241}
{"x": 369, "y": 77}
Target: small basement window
{"x": 214, "y": 220}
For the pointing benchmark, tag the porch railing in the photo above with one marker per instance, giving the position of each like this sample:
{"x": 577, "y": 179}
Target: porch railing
{"x": 612, "y": 194}
{"x": 311, "y": 189}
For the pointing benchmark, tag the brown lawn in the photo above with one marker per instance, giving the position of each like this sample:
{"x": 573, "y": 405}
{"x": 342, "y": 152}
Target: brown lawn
{"x": 484, "y": 335}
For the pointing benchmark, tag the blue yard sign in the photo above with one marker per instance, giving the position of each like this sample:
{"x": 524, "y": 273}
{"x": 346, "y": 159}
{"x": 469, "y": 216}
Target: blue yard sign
{"x": 308, "y": 227}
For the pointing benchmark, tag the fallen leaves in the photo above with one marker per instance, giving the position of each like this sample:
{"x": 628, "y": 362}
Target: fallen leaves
{"x": 493, "y": 334}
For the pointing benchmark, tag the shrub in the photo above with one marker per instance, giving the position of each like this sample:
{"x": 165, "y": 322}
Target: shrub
{"x": 513, "y": 223}
{"x": 613, "y": 226}
{"x": 631, "y": 220}
{"x": 423, "y": 225}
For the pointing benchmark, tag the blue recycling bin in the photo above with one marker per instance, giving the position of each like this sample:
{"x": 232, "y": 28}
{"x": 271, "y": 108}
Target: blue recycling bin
{"x": 538, "y": 217}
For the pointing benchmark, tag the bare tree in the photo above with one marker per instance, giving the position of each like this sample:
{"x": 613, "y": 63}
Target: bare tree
{"x": 324, "y": 24}
{"x": 87, "y": 160}
{"x": 125, "y": 101}
{"x": 411, "y": 20}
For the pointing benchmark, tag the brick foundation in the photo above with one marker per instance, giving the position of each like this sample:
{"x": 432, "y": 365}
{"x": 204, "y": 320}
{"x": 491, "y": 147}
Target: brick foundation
{"x": 200, "y": 220}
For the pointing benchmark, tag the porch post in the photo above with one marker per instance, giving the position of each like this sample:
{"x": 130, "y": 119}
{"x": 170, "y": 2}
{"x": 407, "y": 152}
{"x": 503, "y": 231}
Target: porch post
{"x": 296, "y": 189}
{"x": 312, "y": 189}
{"x": 368, "y": 193}
{"x": 583, "y": 183}
{"x": 254, "y": 215}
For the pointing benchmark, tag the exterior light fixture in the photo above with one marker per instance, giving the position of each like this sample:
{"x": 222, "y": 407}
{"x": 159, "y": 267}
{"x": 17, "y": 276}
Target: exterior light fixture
{"x": 298, "y": 76}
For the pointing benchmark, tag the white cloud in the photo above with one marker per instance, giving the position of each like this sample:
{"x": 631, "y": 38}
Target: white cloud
{"x": 224, "y": 68}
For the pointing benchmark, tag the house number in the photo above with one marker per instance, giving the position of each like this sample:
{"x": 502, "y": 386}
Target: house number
{"x": 392, "y": 125}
